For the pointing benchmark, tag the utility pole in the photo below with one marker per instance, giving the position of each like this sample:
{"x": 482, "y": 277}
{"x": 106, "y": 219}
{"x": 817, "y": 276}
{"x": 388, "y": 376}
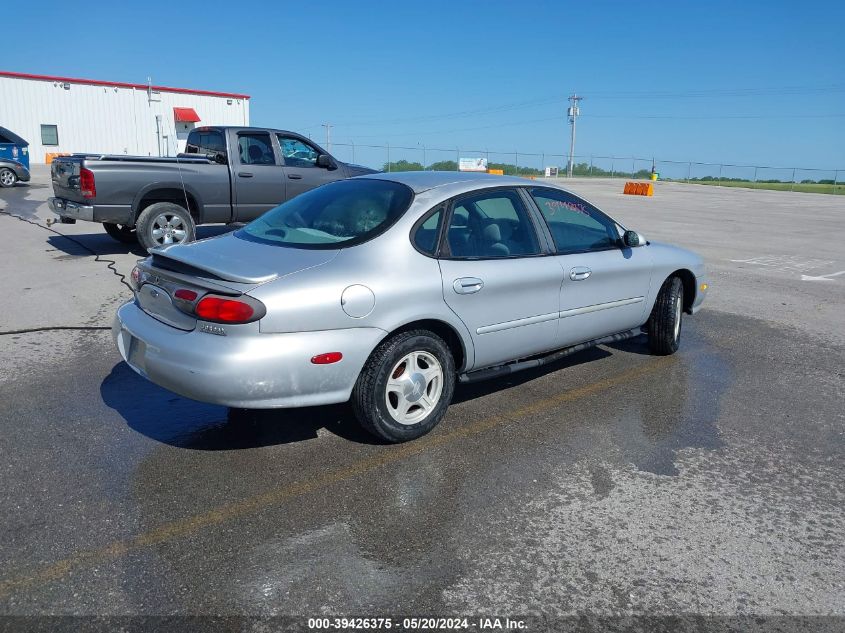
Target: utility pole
{"x": 573, "y": 112}
{"x": 328, "y": 127}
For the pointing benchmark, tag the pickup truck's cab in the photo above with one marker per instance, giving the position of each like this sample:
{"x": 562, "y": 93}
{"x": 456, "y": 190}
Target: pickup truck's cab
{"x": 227, "y": 174}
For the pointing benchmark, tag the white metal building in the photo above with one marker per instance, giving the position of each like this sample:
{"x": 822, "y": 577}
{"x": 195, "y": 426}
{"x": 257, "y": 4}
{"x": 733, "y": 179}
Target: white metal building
{"x": 66, "y": 115}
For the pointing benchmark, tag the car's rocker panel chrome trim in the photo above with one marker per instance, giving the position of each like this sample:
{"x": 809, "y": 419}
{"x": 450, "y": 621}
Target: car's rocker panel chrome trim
{"x": 600, "y": 306}
{"x": 507, "y": 325}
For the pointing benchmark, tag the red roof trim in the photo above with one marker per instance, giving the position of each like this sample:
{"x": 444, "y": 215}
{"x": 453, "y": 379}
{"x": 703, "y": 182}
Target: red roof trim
{"x": 118, "y": 84}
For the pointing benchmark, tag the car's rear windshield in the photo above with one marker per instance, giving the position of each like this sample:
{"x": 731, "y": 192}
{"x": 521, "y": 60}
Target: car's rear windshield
{"x": 336, "y": 215}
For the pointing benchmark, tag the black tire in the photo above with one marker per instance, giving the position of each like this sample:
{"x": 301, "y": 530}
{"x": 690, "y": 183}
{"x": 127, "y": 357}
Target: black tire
{"x": 664, "y": 324}
{"x": 370, "y": 396}
{"x": 121, "y": 232}
{"x": 8, "y": 178}
{"x": 147, "y": 223}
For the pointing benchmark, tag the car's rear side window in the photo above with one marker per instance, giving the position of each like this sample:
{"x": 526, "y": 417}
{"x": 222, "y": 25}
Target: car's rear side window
{"x": 342, "y": 213}
{"x": 205, "y": 142}
{"x": 255, "y": 148}
{"x": 575, "y": 225}
{"x": 425, "y": 237}
{"x": 489, "y": 225}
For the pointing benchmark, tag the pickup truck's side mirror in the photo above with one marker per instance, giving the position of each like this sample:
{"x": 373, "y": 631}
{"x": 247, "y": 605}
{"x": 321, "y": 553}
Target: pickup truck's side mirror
{"x": 324, "y": 160}
{"x": 220, "y": 158}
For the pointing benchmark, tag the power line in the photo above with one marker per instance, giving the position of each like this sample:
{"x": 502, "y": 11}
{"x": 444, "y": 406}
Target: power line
{"x": 607, "y": 95}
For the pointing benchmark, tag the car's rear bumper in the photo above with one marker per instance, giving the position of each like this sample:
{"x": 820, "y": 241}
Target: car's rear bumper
{"x": 260, "y": 370}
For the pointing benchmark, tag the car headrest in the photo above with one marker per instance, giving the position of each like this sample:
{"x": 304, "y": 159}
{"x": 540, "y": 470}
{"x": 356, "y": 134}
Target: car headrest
{"x": 492, "y": 233}
{"x": 255, "y": 152}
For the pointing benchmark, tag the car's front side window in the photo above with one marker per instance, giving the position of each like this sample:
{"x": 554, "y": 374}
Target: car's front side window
{"x": 491, "y": 225}
{"x": 297, "y": 153}
{"x": 575, "y": 225}
{"x": 342, "y": 213}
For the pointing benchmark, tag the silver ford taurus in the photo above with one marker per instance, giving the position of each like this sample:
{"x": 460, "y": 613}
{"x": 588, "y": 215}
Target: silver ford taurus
{"x": 386, "y": 289}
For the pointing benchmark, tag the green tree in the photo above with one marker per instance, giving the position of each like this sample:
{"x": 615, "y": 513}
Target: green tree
{"x": 402, "y": 165}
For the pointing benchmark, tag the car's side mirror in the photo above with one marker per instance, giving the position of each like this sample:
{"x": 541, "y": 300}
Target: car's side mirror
{"x": 324, "y": 160}
{"x": 220, "y": 158}
{"x": 631, "y": 239}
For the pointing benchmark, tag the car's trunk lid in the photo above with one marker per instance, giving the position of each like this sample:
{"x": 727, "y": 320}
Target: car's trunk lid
{"x": 224, "y": 265}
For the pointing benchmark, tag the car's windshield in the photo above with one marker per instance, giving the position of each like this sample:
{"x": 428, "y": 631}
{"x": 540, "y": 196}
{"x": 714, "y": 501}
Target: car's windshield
{"x": 339, "y": 214}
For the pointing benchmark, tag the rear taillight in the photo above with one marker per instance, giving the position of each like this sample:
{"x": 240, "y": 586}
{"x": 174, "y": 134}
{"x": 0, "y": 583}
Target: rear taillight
{"x": 226, "y": 310}
{"x": 86, "y": 183}
{"x": 135, "y": 278}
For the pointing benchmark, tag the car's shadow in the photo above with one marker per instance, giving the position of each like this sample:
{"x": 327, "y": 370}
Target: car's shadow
{"x": 177, "y": 421}
{"x": 102, "y": 244}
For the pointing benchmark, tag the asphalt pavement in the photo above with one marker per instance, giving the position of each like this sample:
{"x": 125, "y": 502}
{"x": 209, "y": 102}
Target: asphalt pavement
{"x": 613, "y": 483}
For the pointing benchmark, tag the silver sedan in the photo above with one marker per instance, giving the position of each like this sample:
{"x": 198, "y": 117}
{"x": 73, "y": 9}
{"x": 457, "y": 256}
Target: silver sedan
{"x": 387, "y": 289}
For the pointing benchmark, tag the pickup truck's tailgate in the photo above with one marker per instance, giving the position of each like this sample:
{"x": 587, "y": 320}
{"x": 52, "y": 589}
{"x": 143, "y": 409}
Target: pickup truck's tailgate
{"x": 64, "y": 172}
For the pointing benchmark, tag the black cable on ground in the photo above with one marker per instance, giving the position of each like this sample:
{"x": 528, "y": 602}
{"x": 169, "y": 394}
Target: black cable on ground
{"x": 48, "y": 328}
{"x": 110, "y": 264}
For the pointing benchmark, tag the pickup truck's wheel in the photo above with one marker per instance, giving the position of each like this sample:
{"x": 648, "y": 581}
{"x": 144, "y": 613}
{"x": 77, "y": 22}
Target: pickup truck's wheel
{"x": 664, "y": 324}
{"x": 405, "y": 386}
{"x": 164, "y": 223}
{"x": 8, "y": 178}
{"x": 121, "y": 233}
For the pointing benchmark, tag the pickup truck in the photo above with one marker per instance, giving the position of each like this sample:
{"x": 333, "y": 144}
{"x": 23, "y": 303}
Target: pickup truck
{"x": 227, "y": 174}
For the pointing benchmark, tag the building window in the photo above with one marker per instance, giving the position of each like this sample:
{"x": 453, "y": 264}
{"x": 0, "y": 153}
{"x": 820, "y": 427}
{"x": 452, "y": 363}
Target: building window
{"x": 49, "y": 135}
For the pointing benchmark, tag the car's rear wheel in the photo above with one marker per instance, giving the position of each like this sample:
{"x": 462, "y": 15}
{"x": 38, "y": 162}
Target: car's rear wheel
{"x": 664, "y": 324}
{"x": 121, "y": 232}
{"x": 164, "y": 223}
{"x": 8, "y": 178}
{"x": 405, "y": 386}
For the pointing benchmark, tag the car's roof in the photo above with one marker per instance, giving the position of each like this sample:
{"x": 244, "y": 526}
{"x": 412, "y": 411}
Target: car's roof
{"x": 421, "y": 181}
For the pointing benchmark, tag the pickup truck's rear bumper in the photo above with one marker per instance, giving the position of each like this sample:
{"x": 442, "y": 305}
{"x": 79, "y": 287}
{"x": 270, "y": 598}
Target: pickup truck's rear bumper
{"x": 120, "y": 214}
{"x": 68, "y": 209}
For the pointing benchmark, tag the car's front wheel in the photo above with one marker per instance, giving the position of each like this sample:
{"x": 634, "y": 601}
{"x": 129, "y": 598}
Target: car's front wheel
{"x": 121, "y": 232}
{"x": 8, "y": 178}
{"x": 664, "y": 324}
{"x": 405, "y": 386}
{"x": 164, "y": 223}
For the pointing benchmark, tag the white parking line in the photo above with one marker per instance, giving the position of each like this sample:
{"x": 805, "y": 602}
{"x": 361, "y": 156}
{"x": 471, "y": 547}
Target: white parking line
{"x": 786, "y": 263}
{"x": 826, "y": 277}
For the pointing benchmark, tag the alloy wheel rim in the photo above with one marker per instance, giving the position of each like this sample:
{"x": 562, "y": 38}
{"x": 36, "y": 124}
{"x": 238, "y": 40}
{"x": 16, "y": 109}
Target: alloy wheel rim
{"x": 414, "y": 387}
{"x": 7, "y": 177}
{"x": 169, "y": 229}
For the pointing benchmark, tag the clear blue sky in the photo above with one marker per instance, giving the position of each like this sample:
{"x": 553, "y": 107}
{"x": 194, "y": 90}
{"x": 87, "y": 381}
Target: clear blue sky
{"x": 490, "y": 74}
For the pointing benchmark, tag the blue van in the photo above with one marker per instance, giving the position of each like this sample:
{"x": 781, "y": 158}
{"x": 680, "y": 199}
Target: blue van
{"x": 14, "y": 159}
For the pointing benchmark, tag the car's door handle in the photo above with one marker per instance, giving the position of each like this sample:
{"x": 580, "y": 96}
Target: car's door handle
{"x": 467, "y": 285}
{"x": 294, "y": 176}
{"x": 579, "y": 272}
{"x": 245, "y": 174}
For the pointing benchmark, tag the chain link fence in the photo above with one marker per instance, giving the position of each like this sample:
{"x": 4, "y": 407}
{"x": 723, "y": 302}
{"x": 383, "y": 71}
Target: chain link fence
{"x": 405, "y": 158}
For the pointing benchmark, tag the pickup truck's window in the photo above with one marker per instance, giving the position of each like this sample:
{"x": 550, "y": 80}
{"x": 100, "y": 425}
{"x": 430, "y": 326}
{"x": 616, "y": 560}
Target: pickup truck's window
{"x": 493, "y": 224}
{"x": 205, "y": 142}
{"x": 339, "y": 214}
{"x": 297, "y": 153}
{"x": 255, "y": 149}
{"x": 575, "y": 225}
{"x": 49, "y": 135}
